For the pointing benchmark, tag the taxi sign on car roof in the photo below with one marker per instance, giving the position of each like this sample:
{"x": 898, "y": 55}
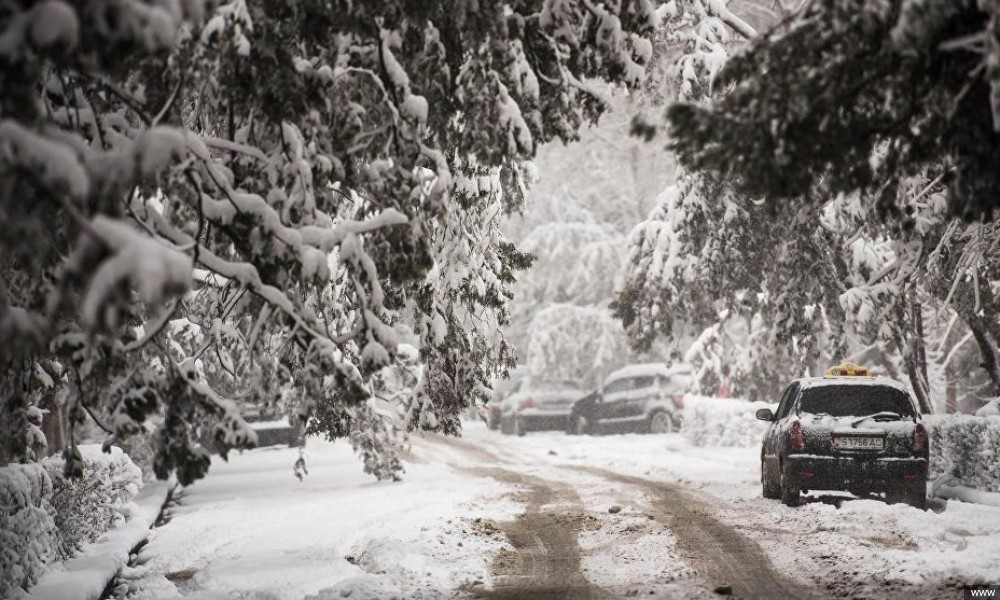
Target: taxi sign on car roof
{"x": 848, "y": 370}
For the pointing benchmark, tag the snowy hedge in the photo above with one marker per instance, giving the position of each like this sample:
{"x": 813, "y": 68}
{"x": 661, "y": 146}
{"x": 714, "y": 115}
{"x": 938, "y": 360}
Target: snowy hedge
{"x": 44, "y": 516}
{"x": 28, "y": 536}
{"x": 722, "y": 421}
{"x": 966, "y": 449}
{"x": 87, "y": 507}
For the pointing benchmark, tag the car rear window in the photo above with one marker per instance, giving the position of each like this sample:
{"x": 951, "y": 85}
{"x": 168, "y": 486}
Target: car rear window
{"x": 855, "y": 400}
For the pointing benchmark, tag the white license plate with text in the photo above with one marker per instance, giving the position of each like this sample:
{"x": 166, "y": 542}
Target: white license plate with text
{"x": 854, "y": 442}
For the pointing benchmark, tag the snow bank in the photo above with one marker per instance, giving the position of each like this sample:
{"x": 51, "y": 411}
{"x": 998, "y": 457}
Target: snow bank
{"x": 966, "y": 450}
{"x": 722, "y": 422}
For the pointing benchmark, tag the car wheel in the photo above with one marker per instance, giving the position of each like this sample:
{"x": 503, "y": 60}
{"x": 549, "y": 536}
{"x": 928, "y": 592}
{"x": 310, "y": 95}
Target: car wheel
{"x": 770, "y": 491}
{"x": 519, "y": 427}
{"x": 789, "y": 495}
{"x": 661, "y": 422}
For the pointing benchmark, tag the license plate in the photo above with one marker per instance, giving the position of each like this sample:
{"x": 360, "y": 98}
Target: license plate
{"x": 854, "y": 442}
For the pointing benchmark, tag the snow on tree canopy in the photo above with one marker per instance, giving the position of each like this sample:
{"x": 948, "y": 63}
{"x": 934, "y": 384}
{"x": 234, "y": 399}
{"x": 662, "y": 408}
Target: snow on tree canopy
{"x": 154, "y": 270}
{"x": 304, "y": 181}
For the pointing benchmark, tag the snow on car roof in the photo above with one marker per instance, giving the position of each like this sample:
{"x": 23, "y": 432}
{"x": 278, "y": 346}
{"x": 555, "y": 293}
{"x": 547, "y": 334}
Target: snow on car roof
{"x": 810, "y": 382}
{"x": 647, "y": 370}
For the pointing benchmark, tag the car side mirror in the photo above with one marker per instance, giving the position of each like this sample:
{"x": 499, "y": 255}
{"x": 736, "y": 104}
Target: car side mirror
{"x": 765, "y": 414}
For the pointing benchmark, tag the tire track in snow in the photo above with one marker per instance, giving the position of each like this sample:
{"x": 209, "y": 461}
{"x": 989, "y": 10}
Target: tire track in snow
{"x": 545, "y": 563}
{"x": 723, "y": 555}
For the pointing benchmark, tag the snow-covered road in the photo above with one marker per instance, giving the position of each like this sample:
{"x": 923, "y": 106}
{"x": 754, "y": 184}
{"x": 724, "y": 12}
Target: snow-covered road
{"x": 549, "y": 515}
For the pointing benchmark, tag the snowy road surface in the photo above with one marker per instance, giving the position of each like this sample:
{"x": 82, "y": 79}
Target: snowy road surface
{"x": 549, "y": 516}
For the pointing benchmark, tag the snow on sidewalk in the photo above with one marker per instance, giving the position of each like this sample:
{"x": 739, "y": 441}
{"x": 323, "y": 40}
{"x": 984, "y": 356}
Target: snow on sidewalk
{"x": 85, "y": 576}
{"x": 251, "y": 529}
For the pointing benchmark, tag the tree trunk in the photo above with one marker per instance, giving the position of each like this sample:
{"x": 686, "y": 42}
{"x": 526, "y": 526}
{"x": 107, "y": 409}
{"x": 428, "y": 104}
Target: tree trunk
{"x": 986, "y": 351}
{"x": 919, "y": 343}
{"x": 911, "y": 361}
{"x": 951, "y": 392}
{"x": 918, "y": 384}
{"x": 15, "y": 380}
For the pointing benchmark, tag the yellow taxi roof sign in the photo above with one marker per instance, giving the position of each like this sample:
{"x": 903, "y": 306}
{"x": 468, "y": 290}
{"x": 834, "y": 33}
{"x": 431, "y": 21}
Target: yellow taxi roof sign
{"x": 848, "y": 370}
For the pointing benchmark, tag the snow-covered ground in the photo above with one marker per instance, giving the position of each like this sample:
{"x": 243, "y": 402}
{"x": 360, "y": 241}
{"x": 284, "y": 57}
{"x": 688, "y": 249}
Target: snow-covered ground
{"x": 251, "y": 530}
{"x": 838, "y": 544}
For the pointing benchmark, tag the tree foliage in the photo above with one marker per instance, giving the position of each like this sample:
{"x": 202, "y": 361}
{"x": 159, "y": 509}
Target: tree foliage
{"x": 853, "y": 95}
{"x": 818, "y": 218}
{"x": 209, "y": 202}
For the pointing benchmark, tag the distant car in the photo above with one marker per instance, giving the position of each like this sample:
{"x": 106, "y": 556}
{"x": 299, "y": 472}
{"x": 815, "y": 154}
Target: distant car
{"x": 846, "y": 431}
{"x": 502, "y": 388}
{"x": 537, "y": 405}
{"x": 494, "y": 407}
{"x": 643, "y": 397}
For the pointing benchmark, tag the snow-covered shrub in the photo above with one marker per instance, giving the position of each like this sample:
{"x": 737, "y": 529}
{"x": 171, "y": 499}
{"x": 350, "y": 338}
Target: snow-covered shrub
{"x": 722, "y": 421}
{"x": 85, "y": 508}
{"x": 28, "y": 537}
{"x": 966, "y": 449}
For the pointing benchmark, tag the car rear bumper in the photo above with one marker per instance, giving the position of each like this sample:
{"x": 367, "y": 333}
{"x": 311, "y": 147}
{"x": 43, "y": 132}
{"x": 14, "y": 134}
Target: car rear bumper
{"x": 537, "y": 420}
{"x": 854, "y": 473}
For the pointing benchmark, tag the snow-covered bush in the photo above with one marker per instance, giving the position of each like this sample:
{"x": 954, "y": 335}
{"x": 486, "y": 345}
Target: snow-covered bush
{"x": 28, "y": 537}
{"x": 722, "y": 421}
{"x": 966, "y": 449}
{"x": 85, "y": 508}
{"x": 45, "y": 516}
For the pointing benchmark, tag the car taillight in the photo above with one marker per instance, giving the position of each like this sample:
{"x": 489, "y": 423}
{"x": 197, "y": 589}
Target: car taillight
{"x": 679, "y": 400}
{"x": 796, "y": 439}
{"x": 919, "y": 438}
{"x": 527, "y": 403}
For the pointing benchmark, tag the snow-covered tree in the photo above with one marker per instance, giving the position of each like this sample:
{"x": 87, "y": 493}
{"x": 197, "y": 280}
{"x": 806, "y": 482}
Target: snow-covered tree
{"x": 803, "y": 130}
{"x": 580, "y": 263}
{"x": 755, "y": 293}
{"x": 854, "y": 95}
{"x": 209, "y": 202}
{"x": 572, "y": 342}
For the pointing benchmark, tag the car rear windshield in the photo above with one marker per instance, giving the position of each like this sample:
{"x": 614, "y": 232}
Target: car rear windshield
{"x": 855, "y": 400}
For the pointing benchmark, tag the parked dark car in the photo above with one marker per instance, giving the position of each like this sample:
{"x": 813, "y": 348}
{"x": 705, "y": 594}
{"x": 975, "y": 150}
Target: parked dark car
{"x": 537, "y": 405}
{"x": 644, "y": 397}
{"x": 846, "y": 432}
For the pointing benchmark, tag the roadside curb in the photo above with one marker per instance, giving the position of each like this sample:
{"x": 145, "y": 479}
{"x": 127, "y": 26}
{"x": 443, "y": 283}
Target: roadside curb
{"x": 88, "y": 575}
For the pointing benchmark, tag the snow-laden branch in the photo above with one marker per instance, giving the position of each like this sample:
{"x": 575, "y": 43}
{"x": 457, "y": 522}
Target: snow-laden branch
{"x": 247, "y": 275}
{"x": 719, "y": 9}
{"x": 324, "y": 239}
{"x": 221, "y": 144}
